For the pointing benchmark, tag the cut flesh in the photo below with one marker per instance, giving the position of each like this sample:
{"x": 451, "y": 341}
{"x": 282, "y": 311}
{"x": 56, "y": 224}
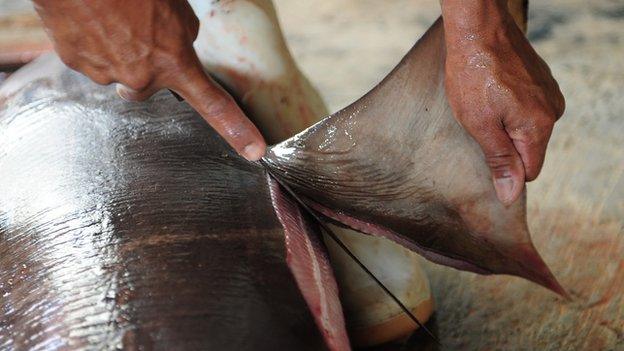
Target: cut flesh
{"x": 307, "y": 259}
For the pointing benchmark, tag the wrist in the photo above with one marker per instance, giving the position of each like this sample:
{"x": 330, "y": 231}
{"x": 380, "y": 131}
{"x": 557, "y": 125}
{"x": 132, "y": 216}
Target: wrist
{"x": 474, "y": 21}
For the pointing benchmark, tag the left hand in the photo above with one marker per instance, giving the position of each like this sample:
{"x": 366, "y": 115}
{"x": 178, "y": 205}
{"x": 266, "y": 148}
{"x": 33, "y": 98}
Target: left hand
{"x": 501, "y": 91}
{"x": 146, "y": 46}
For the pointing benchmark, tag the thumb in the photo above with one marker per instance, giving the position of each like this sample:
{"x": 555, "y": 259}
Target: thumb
{"x": 220, "y": 110}
{"x": 504, "y": 161}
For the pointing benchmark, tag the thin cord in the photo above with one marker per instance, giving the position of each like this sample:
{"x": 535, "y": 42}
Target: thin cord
{"x": 337, "y": 240}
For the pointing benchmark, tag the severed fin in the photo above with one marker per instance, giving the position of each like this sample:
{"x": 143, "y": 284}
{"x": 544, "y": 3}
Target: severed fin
{"x": 396, "y": 163}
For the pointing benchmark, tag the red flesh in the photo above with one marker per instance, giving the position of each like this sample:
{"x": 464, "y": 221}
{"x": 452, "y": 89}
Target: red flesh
{"x": 308, "y": 261}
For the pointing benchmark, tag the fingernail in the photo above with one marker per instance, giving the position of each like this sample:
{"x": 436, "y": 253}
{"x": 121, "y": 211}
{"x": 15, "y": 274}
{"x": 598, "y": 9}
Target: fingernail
{"x": 121, "y": 91}
{"x": 253, "y": 152}
{"x": 504, "y": 189}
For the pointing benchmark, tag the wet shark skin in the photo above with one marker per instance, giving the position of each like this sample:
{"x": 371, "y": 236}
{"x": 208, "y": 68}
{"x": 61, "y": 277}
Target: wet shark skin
{"x": 397, "y": 159}
{"x": 134, "y": 226}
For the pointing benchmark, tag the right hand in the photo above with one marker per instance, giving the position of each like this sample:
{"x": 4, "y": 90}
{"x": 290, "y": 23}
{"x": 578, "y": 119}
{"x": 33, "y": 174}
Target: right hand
{"x": 500, "y": 90}
{"x": 146, "y": 46}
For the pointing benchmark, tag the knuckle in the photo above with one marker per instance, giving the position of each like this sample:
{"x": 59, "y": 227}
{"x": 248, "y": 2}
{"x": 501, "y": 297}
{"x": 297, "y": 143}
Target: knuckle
{"x": 531, "y": 175}
{"x": 537, "y": 130}
{"x": 70, "y": 62}
{"x": 138, "y": 83}
{"x": 101, "y": 79}
{"x": 179, "y": 57}
{"x": 97, "y": 76}
{"x": 216, "y": 106}
{"x": 194, "y": 27}
{"x": 533, "y": 165}
{"x": 500, "y": 161}
{"x": 561, "y": 105}
{"x": 550, "y": 114}
{"x": 501, "y": 165}
{"x": 544, "y": 123}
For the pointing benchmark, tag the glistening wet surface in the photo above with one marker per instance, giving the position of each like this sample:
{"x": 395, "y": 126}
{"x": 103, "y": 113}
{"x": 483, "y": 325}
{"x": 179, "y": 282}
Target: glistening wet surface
{"x": 576, "y": 206}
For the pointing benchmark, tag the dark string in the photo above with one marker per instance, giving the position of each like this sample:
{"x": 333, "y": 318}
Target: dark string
{"x": 337, "y": 240}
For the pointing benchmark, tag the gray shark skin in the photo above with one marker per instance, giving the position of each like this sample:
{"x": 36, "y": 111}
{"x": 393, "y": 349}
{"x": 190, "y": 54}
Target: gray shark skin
{"x": 133, "y": 225}
{"x": 396, "y": 163}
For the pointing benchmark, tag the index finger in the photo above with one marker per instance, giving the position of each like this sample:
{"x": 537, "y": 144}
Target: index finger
{"x": 220, "y": 110}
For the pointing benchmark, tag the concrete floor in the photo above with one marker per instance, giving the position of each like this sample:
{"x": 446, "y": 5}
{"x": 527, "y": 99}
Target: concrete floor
{"x": 576, "y": 207}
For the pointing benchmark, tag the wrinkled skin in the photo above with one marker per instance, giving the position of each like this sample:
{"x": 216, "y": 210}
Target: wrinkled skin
{"x": 396, "y": 163}
{"x": 130, "y": 225}
{"x": 146, "y": 47}
{"x": 135, "y": 225}
{"x": 498, "y": 87}
{"x": 500, "y": 90}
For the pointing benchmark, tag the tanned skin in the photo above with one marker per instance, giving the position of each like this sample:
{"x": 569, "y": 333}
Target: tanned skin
{"x": 500, "y": 90}
{"x": 146, "y": 46}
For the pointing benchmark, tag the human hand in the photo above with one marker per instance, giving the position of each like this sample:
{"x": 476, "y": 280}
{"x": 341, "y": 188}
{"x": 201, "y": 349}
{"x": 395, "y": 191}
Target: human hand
{"x": 500, "y": 90}
{"x": 146, "y": 46}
